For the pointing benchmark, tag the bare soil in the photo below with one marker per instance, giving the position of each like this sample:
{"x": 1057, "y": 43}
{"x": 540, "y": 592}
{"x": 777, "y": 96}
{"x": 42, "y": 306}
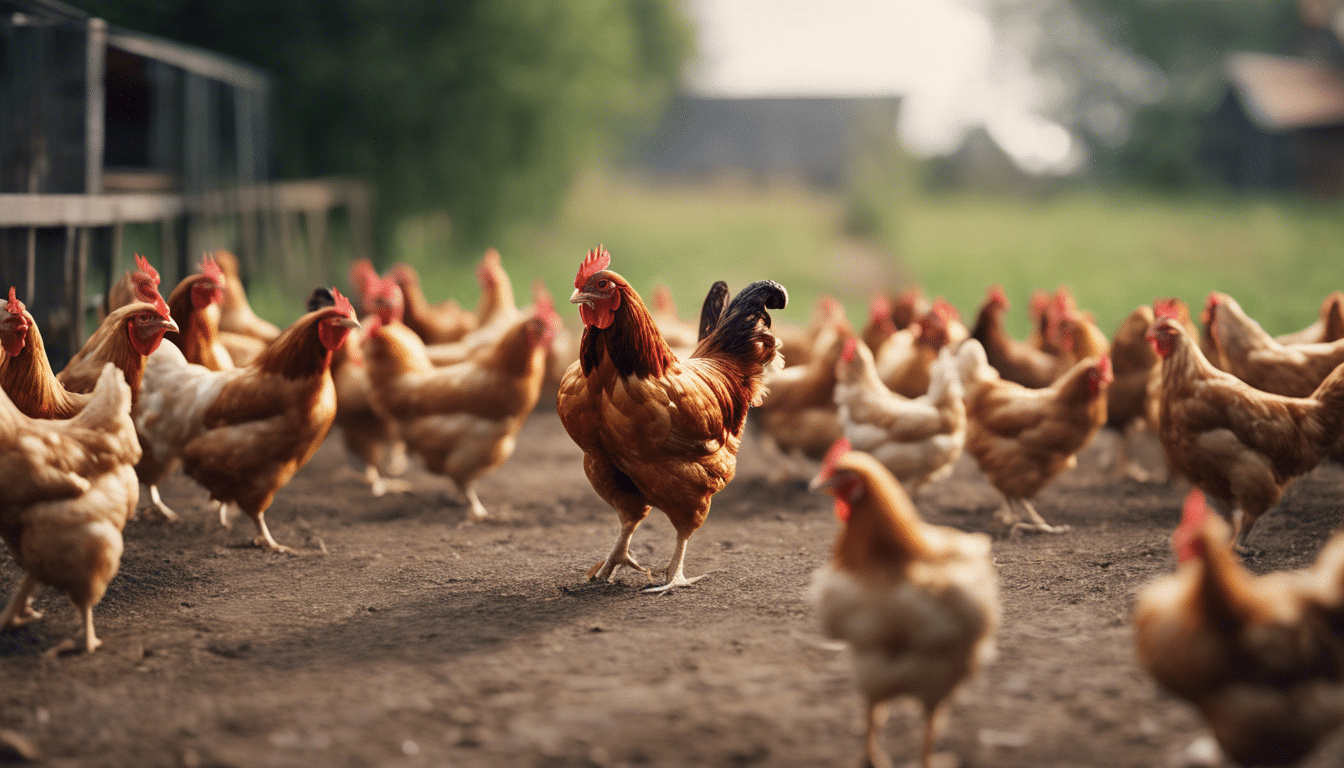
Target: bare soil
{"x": 402, "y": 636}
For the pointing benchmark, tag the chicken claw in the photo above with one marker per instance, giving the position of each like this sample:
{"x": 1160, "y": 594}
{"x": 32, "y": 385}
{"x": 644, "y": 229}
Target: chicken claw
{"x": 266, "y": 541}
{"x": 675, "y": 576}
{"x": 90, "y": 639}
{"x": 157, "y": 504}
{"x": 19, "y": 610}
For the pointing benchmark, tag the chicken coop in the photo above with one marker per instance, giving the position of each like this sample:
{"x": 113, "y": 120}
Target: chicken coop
{"x": 113, "y": 140}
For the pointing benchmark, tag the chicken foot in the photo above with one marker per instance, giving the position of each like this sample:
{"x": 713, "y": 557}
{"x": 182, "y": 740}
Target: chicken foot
{"x": 675, "y": 576}
{"x": 1034, "y": 523}
{"x": 478, "y": 510}
{"x": 91, "y": 642}
{"x": 19, "y": 610}
{"x": 264, "y": 538}
{"x": 156, "y": 503}
{"x": 620, "y": 555}
{"x": 380, "y": 485}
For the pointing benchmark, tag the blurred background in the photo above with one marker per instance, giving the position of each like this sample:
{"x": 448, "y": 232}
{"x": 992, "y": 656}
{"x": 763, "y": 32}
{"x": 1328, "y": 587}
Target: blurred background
{"x": 1128, "y": 148}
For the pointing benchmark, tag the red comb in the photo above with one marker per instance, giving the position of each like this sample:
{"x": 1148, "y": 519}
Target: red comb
{"x": 1193, "y": 513}
{"x": 847, "y": 351}
{"x": 161, "y": 306}
{"x": 662, "y": 298}
{"x": 840, "y": 448}
{"x": 945, "y": 310}
{"x": 598, "y": 260}
{"x": 210, "y": 268}
{"x": 485, "y": 271}
{"x": 142, "y": 264}
{"x": 1167, "y": 308}
{"x": 997, "y": 295}
{"x": 14, "y": 306}
{"x": 1104, "y": 366}
{"x": 342, "y": 303}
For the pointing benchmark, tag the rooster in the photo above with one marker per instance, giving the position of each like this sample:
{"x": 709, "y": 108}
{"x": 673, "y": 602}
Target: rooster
{"x": 1258, "y": 655}
{"x": 655, "y": 430}
{"x": 194, "y": 305}
{"x": 1240, "y": 445}
{"x": 243, "y": 433}
{"x": 69, "y": 489}
{"x": 461, "y": 420}
{"x": 918, "y": 604}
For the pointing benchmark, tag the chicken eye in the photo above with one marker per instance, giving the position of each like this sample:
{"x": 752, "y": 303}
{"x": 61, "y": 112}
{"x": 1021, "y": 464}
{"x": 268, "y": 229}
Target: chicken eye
{"x": 602, "y": 283}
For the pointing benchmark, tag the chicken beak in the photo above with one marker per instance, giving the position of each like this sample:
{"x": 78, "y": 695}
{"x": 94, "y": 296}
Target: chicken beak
{"x": 577, "y": 297}
{"x": 348, "y": 322}
{"x": 820, "y": 483}
{"x": 170, "y": 324}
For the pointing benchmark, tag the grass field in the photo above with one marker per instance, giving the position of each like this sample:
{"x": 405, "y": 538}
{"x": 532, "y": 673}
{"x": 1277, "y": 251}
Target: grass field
{"x": 1277, "y": 257}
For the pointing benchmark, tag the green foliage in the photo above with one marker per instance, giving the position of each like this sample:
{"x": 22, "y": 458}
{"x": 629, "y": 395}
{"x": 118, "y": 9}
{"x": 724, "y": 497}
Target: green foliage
{"x": 1189, "y": 41}
{"x": 482, "y": 108}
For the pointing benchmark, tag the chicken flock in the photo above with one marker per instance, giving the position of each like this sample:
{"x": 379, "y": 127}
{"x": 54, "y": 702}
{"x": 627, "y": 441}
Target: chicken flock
{"x": 660, "y": 407}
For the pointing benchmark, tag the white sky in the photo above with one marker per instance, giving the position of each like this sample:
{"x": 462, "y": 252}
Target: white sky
{"x": 939, "y": 54}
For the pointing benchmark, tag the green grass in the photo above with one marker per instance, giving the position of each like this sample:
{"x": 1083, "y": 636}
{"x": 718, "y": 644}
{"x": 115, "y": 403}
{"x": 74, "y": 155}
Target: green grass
{"x": 1279, "y": 258}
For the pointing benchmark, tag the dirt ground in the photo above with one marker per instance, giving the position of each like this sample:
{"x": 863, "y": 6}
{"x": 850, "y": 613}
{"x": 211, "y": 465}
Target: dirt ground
{"x": 400, "y": 636}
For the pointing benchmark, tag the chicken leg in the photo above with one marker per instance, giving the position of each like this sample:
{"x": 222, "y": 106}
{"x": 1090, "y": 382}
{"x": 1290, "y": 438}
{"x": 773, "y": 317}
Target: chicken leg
{"x": 19, "y": 610}
{"x": 380, "y": 485}
{"x": 873, "y": 754}
{"x": 620, "y": 554}
{"x": 90, "y": 638}
{"x": 157, "y": 503}
{"x": 676, "y": 577}
{"x": 264, "y": 538}
{"x": 1037, "y": 523}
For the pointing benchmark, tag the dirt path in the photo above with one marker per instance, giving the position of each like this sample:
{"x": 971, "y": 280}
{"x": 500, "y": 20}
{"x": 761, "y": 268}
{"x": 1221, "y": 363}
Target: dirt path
{"x": 417, "y": 640}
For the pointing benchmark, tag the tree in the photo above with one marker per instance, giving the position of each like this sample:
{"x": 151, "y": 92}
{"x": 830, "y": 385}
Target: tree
{"x": 485, "y": 108}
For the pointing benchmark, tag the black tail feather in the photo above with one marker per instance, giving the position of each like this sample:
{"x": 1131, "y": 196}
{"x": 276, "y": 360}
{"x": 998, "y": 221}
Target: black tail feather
{"x": 736, "y": 332}
{"x": 711, "y": 313}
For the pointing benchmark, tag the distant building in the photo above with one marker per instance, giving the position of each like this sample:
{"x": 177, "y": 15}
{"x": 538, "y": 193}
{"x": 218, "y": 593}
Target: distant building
{"x": 1281, "y": 123}
{"x": 802, "y": 137}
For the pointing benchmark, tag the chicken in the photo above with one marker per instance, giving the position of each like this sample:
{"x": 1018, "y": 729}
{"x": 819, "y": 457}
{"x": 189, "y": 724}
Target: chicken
{"x": 655, "y": 430}
{"x": 243, "y": 433}
{"x": 680, "y": 335}
{"x": 880, "y": 325}
{"x": 905, "y": 360}
{"x": 368, "y": 436}
{"x": 434, "y": 323}
{"x": 917, "y": 604}
{"x": 799, "y": 415}
{"x": 1240, "y": 445}
{"x": 918, "y": 439}
{"x": 461, "y": 420}
{"x": 1132, "y": 363}
{"x": 25, "y": 371}
{"x": 1253, "y": 356}
{"x": 235, "y": 313}
{"x": 194, "y": 305}
{"x": 1022, "y": 438}
{"x": 140, "y": 284}
{"x": 1329, "y": 325}
{"x": 496, "y": 304}
{"x": 1250, "y": 652}
{"x": 1015, "y": 361}
{"x": 1039, "y": 311}
{"x": 125, "y": 337}
{"x": 796, "y": 344}
{"x": 69, "y": 489}
{"x": 909, "y": 306}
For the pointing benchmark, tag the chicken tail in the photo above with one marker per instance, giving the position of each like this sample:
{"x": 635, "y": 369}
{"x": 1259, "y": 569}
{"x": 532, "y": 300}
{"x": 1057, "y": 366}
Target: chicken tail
{"x": 711, "y": 313}
{"x": 742, "y": 332}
